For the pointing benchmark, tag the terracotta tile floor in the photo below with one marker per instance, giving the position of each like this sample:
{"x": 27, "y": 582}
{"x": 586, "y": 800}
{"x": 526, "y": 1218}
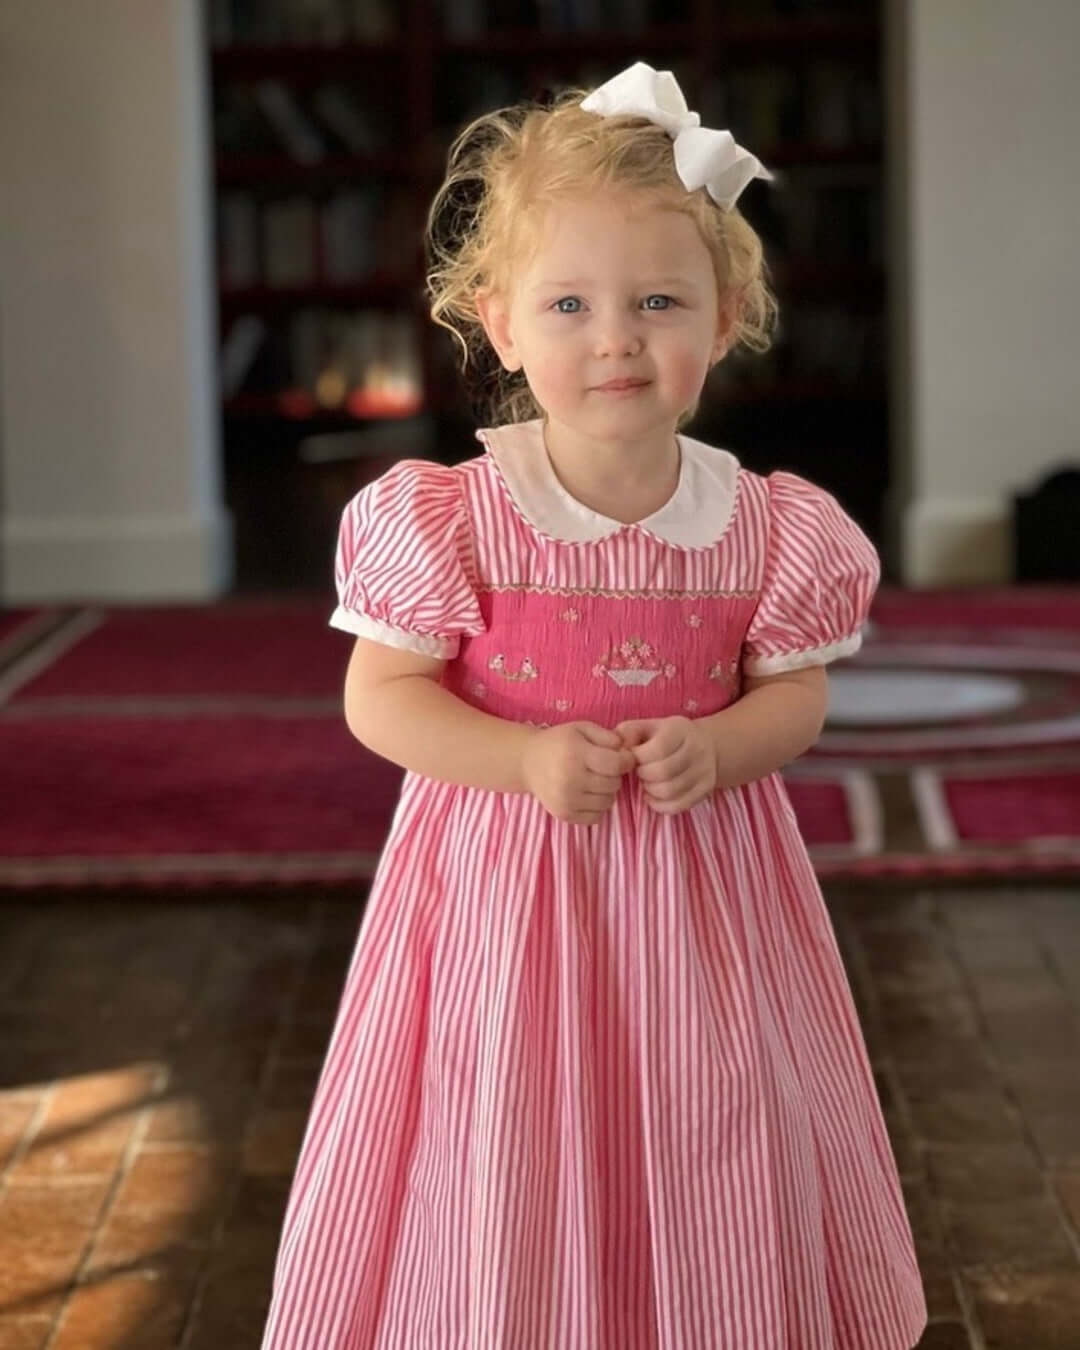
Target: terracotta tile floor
{"x": 157, "y": 1059}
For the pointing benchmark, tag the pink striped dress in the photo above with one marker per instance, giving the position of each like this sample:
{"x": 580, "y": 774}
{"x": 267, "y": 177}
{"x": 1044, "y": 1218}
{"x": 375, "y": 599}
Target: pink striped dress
{"x": 604, "y": 1088}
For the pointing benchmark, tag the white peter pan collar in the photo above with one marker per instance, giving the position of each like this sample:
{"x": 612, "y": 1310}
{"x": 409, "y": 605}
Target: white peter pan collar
{"x": 695, "y": 516}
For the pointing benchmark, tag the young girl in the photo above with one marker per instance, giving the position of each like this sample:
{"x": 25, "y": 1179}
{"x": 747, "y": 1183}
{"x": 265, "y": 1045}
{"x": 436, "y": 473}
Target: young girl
{"x": 596, "y": 1081}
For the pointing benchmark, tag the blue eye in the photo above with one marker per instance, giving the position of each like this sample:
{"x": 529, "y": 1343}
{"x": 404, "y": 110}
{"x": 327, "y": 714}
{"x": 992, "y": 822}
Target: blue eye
{"x": 569, "y": 304}
{"x": 658, "y": 302}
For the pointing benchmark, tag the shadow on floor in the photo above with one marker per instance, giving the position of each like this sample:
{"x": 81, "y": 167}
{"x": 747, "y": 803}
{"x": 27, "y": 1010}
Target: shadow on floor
{"x": 158, "y": 1056}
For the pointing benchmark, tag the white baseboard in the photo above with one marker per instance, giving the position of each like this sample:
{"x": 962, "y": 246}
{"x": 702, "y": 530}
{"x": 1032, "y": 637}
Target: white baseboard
{"x": 148, "y": 558}
{"x": 955, "y": 541}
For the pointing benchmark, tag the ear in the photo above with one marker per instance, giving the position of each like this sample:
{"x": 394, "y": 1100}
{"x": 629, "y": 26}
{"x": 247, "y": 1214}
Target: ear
{"x": 727, "y": 317}
{"x": 494, "y": 311}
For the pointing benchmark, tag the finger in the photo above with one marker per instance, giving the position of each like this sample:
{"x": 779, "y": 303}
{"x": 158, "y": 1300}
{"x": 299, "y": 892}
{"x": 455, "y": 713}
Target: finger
{"x": 609, "y": 763}
{"x": 678, "y": 805}
{"x": 636, "y": 733}
{"x": 671, "y": 767}
{"x": 598, "y": 735}
{"x": 674, "y": 789}
{"x": 663, "y": 742}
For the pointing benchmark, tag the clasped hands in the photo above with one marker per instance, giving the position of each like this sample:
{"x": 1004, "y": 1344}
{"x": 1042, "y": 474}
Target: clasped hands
{"x": 576, "y": 769}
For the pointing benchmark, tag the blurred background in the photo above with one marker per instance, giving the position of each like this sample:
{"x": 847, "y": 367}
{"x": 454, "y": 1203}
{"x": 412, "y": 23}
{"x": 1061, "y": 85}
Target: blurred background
{"x": 212, "y": 327}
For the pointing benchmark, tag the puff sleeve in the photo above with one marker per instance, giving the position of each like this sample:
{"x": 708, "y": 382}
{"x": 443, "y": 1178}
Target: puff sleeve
{"x": 820, "y": 575}
{"x": 403, "y": 564}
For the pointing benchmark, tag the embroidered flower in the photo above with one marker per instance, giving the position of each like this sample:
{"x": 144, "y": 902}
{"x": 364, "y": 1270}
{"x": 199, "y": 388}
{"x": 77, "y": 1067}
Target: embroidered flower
{"x": 635, "y": 652}
{"x": 691, "y": 705}
{"x": 571, "y": 616}
{"x": 527, "y": 670}
{"x": 669, "y": 671}
{"x": 562, "y": 704}
{"x": 478, "y": 690}
{"x": 725, "y": 672}
{"x": 694, "y": 620}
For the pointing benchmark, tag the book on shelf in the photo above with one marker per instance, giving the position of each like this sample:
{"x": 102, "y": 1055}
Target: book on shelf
{"x": 465, "y": 20}
{"x": 239, "y": 351}
{"x": 319, "y": 22}
{"x": 237, "y": 241}
{"x": 298, "y": 134}
{"x": 297, "y": 240}
{"x": 824, "y": 104}
{"x": 289, "y": 245}
{"x": 241, "y": 127}
{"x": 271, "y": 118}
{"x": 348, "y": 223}
{"x": 842, "y": 105}
{"x": 349, "y": 121}
{"x": 788, "y": 9}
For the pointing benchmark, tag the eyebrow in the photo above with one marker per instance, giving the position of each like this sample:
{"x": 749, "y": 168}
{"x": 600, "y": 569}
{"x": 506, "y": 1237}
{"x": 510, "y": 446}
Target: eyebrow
{"x": 577, "y": 282}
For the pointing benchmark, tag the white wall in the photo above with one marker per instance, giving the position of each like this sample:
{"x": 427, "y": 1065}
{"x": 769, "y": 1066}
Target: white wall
{"x": 109, "y": 458}
{"x": 986, "y": 116}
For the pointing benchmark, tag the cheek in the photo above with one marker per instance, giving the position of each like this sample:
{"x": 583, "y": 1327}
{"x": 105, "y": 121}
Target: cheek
{"x": 552, "y": 366}
{"x": 690, "y": 363}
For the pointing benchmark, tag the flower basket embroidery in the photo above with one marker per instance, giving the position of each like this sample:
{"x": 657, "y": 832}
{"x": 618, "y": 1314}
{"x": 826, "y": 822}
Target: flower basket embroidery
{"x": 633, "y": 662}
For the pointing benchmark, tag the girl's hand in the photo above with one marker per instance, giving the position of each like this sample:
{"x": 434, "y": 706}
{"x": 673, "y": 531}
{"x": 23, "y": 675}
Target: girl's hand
{"x": 676, "y": 761}
{"x": 575, "y": 769}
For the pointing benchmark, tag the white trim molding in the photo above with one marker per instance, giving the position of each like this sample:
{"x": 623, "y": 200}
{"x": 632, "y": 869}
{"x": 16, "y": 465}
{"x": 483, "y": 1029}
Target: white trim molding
{"x": 951, "y": 541}
{"x": 157, "y": 558}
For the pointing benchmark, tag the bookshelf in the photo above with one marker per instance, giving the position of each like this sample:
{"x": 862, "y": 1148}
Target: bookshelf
{"x": 331, "y": 123}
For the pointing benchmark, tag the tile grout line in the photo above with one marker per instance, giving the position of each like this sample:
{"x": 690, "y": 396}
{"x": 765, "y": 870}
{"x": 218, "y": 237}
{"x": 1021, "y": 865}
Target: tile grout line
{"x": 20, "y": 1151}
{"x": 1072, "y": 1229}
{"x": 970, "y": 1324}
{"x": 120, "y": 1173}
{"x": 1012, "y": 1105}
{"x": 317, "y": 925}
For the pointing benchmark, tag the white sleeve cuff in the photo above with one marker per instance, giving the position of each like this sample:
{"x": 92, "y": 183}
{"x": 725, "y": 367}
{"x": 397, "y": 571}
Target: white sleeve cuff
{"x": 363, "y": 625}
{"x": 813, "y": 656}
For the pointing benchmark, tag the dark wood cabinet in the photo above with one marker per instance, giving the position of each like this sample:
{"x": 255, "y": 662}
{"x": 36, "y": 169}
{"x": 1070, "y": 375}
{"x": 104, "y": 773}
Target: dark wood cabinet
{"x": 328, "y": 149}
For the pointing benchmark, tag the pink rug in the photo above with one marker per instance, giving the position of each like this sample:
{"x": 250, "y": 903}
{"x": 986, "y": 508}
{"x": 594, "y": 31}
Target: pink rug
{"x": 205, "y": 746}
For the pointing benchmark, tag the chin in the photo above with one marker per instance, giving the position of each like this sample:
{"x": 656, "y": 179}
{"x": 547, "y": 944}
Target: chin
{"x": 625, "y": 420}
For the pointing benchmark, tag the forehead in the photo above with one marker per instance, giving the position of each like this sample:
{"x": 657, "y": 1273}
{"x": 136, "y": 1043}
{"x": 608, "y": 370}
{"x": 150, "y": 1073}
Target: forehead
{"x": 605, "y": 234}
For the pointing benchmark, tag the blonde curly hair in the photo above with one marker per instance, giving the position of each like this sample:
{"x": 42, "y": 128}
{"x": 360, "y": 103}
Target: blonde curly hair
{"x": 505, "y": 163}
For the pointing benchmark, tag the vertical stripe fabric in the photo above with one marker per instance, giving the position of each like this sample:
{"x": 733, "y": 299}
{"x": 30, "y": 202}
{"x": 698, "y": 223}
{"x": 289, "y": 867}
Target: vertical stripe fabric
{"x": 603, "y": 1088}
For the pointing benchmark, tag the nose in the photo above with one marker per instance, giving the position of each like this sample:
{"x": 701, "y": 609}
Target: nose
{"x": 617, "y": 335}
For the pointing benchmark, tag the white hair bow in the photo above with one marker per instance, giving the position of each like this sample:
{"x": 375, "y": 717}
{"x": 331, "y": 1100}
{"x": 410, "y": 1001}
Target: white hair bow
{"x": 703, "y": 158}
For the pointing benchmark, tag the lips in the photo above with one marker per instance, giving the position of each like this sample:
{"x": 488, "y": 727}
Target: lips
{"x": 619, "y": 386}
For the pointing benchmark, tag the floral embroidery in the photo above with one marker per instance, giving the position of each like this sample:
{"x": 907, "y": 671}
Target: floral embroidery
{"x": 527, "y": 670}
{"x": 694, "y": 620}
{"x": 691, "y": 705}
{"x": 562, "y": 704}
{"x": 571, "y": 616}
{"x": 478, "y": 690}
{"x": 726, "y": 672}
{"x": 633, "y": 662}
